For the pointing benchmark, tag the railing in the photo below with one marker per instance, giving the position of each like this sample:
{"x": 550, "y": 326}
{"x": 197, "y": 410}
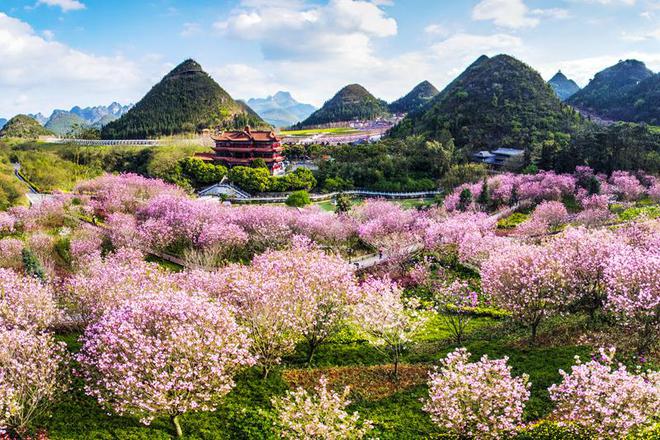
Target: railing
{"x": 107, "y": 143}
{"x": 357, "y": 192}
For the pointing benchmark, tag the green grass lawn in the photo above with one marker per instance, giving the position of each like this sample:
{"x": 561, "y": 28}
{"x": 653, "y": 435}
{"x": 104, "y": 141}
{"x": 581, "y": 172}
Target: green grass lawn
{"x": 312, "y": 131}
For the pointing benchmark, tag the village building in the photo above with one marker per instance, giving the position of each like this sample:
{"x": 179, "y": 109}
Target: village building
{"x": 497, "y": 157}
{"x": 242, "y": 147}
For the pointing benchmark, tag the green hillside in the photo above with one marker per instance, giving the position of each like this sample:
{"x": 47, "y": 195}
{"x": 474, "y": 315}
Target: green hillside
{"x": 351, "y": 102}
{"x": 23, "y": 126}
{"x": 626, "y": 91}
{"x": 62, "y": 122}
{"x": 186, "y": 100}
{"x": 416, "y": 98}
{"x": 495, "y": 102}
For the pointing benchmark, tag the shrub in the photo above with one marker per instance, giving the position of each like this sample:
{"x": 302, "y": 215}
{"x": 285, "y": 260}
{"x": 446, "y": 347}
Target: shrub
{"x": 298, "y": 199}
{"x": 476, "y": 400}
{"x": 319, "y": 416}
{"x": 32, "y": 265}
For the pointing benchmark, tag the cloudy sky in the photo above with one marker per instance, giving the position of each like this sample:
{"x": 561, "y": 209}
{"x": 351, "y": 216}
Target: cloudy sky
{"x": 60, "y": 53}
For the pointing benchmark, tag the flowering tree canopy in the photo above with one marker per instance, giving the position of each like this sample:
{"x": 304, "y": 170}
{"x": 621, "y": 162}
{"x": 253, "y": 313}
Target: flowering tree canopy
{"x": 164, "y": 355}
{"x": 32, "y": 374}
{"x": 319, "y": 416}
{"x": 605, "y": 399}
{"x": 476, "y": 400}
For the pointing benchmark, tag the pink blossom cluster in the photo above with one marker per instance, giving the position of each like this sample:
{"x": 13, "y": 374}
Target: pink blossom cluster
{"x": 25, "y": 302}
{"x": 165, "y": 355}
{"x": 85, "y": 245}
{"x": 10, "y": 253}
{"x": 123, "y": 193}
{"x": 606, "y": 399}
{"x": 547, "y": 215}
{"x": 387, "y": 226}
{"x": 476, "y": 399}
{"x": 528, "y": 281}
{"x": 320, "y": 415}
{"x": 7, "y": 223}
{"x": 49, "y": 213}
{"x": 626, "y": 186}
{"x": 33, "y": 373}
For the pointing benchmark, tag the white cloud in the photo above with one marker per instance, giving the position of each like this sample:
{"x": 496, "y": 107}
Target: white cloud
{"x": 340, "y": 29}
{"x": 436, "y": 30}
{"x": 53, "y": 75}
{"x": 512, "y": 14}
{"x": 65, "y": 5}
{"x": 190, "y": 28}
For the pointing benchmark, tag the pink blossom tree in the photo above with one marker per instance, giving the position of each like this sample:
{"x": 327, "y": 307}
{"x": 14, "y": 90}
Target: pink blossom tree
{"x": 632, "y": 280}
{"x": 605, "y": 399}
{"x": 33, "y": 373}
{"x": 25, "y": 302}
{"x": 453, "y": 302}
{"x": 319, "y": 416}
{"x": 528, "y": 281}
{"x": 476, "y": 400}
{"x": 320, "y": 288}
{"x": 164, "y": 355}
{"x": 388, "y": 321}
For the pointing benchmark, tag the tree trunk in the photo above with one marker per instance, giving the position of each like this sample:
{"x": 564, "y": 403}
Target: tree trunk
{"x": 310, "y": 354}
{"x": 177, "y": 426}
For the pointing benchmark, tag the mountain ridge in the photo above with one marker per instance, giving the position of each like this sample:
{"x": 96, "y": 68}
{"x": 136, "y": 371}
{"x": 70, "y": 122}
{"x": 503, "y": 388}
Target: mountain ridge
{"x": 563, "y": 87}
{"x": 281, "y": 109}
{"x": 349, "y": 103}
{"x": 418, "y": 97}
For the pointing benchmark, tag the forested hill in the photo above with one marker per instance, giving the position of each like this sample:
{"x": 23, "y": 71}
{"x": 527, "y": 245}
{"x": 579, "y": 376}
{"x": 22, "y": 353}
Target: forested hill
{"x": 416, "y": 98}
{"x": 495, "y": 102}
{"x": 563, "y": 87}
{"x": 627, "y": 91}
{"x": 23, "y": 126}
{"x": 351, "y": 102}
{"x": 186, "y": 100}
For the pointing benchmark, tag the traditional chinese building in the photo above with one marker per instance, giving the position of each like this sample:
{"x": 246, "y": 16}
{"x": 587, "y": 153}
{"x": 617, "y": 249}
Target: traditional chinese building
{"x": 242, "y": 147}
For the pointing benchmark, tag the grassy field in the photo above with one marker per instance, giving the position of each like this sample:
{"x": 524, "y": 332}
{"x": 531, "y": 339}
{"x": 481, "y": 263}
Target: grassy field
{"x": 312, "y": 131}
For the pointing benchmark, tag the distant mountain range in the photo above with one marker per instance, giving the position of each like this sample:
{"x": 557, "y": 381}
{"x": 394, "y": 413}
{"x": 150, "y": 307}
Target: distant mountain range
{"x": 186, "y": 100}
{"x": 563, "y": 87}
{"x": 62, "y": 122}
{"x": 281, "y": 110}
{"x": 627, "y": 91}
{"x": 3, "y": 121}
{"x": 419, "y": 96}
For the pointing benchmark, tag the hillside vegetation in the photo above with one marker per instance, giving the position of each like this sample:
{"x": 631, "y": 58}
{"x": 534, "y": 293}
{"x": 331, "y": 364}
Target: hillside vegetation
{"x": 186, "y": 100}
{"x": 627, "y": 91}
{"x": 23, "y": 126}
{"x": 496, "y": 102}
{"x": 351, "y": 102}
{"x": 419, "y": 96}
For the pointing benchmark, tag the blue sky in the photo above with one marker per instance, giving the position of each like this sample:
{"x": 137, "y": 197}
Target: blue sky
{"x": 60, "y": 53}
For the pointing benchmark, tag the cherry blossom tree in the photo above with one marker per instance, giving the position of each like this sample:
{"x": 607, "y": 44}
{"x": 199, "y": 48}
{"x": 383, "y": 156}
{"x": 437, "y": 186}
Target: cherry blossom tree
{"x": 319, "y": 416}
{"x": 528, "y": 281}
{"x": 25, "y": 302}
{"x": 320, "y": 288}
{"x": 163, "y": 355}
{"x": 606, "y": 399}
{"x": 33, "y": 373}
{"x": 632, "y": 280}
{"x": 386, "y": 319}
{"x": 453, "y": 302}
{"x": 476, "y": 400}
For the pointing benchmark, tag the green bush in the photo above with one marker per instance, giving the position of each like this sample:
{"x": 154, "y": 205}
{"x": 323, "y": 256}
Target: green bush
{"x": 200, "y": 172}
{"x": 298, "y": 199}
{"x": 651, "y": 212}
{"x": 32, "y": 265}
{"x": 551, "y": 431}
{"x": 512, "y": 221}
